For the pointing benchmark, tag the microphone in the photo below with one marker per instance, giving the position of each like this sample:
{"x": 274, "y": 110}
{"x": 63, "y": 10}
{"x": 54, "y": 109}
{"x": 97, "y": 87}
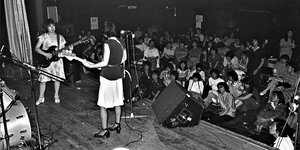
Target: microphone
{"x": 125, "y": 31}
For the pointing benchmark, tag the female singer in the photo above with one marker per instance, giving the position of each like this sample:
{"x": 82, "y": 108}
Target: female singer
{"x": 111, "y": 85}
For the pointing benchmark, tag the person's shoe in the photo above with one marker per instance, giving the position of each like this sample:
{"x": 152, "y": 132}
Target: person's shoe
{"x": 103, "y": 133}
{"x": 117, "y": 127}
{"x": 40, "y": 100}
{"x": 56, "y": 99}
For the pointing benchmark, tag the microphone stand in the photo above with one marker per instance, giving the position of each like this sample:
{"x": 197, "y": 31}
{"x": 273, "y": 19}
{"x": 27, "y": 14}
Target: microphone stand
{"x": 32, "y": 69}
{"x": 6, "y": 136}
{"x": 131, "y": 116}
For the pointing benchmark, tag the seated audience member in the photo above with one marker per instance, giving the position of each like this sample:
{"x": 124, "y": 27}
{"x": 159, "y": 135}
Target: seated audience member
{"x": 286, "y": 84}
{"x": 280, "y": 67}
{"x": 199, "y": 70}
{"x": 215, "y": 60}
{"x": 231, "y": 62}
{"x": 243, "y": 62}
{"x": 273, "y": 110}
{"x": 143, "y": 90}
{"x": 234, "y": 84}
{"x": 227, "y": 106}
{"x": 293, "y": 110}
{"x": 196, "y": 86}
{"x": 213, "y": 82}
{"x": 147, "y": 39}
{"x": 249, "y": 99}
{"x": 180, "y": 53}
{"x": 165, "y": 74}
{"x": 204, "y": 60}
{"x": 151, "y": 54}
{"x": 140, "y": 48}
{"x": 174, "y": 77}
{"x": 193, "y": 55}
{"x": 281, "y": 131}
{"x": 168, "y": 54}
{"x": 183, "y": 72}
{"x": 157, "y": 85}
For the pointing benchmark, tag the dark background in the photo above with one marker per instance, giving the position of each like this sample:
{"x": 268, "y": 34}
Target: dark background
{"x": 248, "y": 18}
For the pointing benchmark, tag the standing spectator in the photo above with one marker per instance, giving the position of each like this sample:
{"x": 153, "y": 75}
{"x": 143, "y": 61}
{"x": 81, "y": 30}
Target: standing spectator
{"x": 256, "y": 61}
{"x": 287, "y": 44}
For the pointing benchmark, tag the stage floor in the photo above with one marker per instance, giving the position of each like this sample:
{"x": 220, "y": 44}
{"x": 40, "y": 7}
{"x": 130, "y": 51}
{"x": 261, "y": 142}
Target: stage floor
{"x": 74, "y": 121}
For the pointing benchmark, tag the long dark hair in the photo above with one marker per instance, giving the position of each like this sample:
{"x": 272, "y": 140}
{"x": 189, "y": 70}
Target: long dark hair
{"x": 109, "y": 29}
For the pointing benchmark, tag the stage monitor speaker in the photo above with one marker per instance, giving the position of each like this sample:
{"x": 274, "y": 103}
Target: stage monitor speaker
{"x": 175, "y": 107}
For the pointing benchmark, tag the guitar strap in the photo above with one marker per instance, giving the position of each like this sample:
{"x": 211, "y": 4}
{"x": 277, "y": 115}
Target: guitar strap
{"x": 58, "y": 41}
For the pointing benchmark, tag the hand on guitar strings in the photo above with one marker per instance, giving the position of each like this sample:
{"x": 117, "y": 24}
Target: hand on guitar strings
{"x": 48, "y": 55}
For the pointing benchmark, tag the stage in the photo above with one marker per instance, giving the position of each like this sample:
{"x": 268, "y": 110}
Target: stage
{"x": 72, "y": 123}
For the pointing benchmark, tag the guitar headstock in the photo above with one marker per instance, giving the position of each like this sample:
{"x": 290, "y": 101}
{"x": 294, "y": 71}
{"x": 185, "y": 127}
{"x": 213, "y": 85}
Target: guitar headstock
{"x": 84, "y": 40}
{"x": 68, "y": 54}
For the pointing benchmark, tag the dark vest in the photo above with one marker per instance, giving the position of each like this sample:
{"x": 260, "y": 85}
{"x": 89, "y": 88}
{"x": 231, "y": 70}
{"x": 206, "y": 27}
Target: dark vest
{"x": 113, "y": 70}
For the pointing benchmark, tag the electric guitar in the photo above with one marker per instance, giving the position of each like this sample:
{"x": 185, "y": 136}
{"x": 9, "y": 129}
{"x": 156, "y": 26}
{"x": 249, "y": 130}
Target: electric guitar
{"x": 71, "y": 56}
{"x": 44, "y": 62}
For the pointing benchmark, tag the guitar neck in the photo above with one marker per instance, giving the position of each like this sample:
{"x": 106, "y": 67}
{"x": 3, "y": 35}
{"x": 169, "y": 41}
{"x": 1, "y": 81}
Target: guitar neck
{"x": 67, "y": 47}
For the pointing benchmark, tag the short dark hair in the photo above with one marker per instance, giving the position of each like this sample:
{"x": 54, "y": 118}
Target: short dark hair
{"x": 223, "y": 84}
{"x": 216, "y": 71}
{"x": 280, "y": 96}
{"x": 109, "y": 29}
{"x": 175, "y": 73}
{"x": 285, "y": 56}
{"x": 229, "y": 54}
{"x": 282, "y": 127}
{"x": 233, "y": 74}
{"x": 197, "y": 75}
{"x": 48, "y": 22}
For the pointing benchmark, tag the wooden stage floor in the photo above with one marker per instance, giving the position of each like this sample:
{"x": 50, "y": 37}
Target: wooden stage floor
{"x": 74, "y": 121}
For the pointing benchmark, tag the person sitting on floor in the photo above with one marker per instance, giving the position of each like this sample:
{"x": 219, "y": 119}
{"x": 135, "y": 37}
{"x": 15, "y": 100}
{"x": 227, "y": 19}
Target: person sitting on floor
{"x": 234, "y": 84}
{"x": 273, "y": 110}
{"x": 280, "y": 130}
{"x": 165, "y": 74}
{"x": 227, "y": 106}
{"x": 157, "y": 85}
{"x": 286, "y": 84}
{"x": 196, "y": 86}
{"x": 213, "y": 82}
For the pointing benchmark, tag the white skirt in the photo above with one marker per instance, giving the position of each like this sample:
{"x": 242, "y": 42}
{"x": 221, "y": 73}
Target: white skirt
{"x": 110, "y": 93}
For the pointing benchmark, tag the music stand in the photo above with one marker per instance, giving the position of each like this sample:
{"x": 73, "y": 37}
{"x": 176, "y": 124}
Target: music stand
{"x": 31, "y": 69}
{"x": 128, "y": 46}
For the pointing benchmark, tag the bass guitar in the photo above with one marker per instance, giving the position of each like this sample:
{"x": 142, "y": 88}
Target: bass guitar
{"x": 44, "y": 62}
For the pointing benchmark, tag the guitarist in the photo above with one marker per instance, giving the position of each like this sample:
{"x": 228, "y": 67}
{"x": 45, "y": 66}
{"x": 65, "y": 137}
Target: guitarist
{"x": 46, "y": 40}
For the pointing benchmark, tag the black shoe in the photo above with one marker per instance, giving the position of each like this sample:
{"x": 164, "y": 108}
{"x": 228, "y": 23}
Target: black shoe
{"x": 102, "y": 133}
{"x": 116, "y": 126}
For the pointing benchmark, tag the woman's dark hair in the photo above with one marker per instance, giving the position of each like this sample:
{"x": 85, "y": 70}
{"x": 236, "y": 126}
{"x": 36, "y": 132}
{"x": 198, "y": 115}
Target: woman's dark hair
{"x": 174, "y": 73}
{"x": 233, "y": 74}
{"x": 229, "y": 54}
{"x": 280, "y": 96}
{"x": 249, "y": 81}
{"x": 216, "y": 71}
{"x": 48, "y": 22}
{"x": 223, "y": 84}
{"x": 285, "y": 56}
{"x": 197, "y": 75}
{"x": 170, "y": 65}
{"x": 246, "y": 53}
{"x": 293, "y": 65}
{"x": 282, "y": 128}
{"x": 155, "y": 72}
{"x": 109, "y": 29}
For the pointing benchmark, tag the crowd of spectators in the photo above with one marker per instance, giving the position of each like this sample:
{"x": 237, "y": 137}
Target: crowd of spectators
{"x": 225, "y": 74}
